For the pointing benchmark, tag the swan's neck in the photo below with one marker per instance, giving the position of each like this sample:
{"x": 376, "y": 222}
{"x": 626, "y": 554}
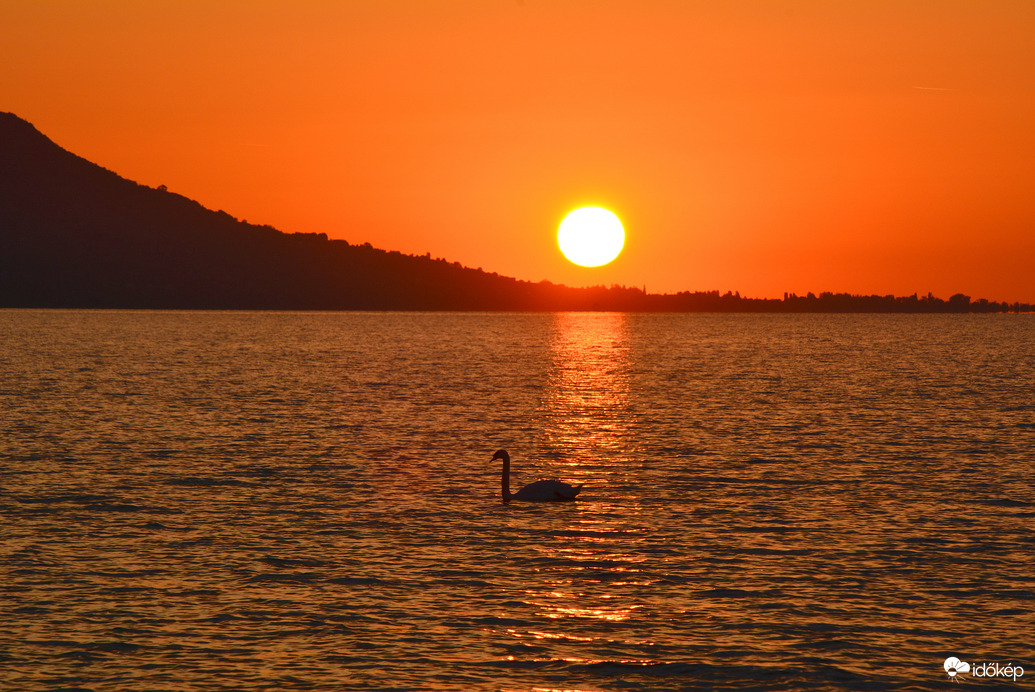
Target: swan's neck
{"x": 506, "y": 479}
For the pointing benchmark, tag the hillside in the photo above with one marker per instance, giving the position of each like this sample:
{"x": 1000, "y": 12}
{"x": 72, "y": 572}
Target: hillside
{"x": 73, "y": 234}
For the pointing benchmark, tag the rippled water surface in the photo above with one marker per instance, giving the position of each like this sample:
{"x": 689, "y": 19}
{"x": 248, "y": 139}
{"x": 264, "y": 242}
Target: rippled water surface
{"x": 284, "y": 501}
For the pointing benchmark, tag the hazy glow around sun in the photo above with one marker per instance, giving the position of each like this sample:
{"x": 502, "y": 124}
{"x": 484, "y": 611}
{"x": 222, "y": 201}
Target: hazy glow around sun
{"x": 591, "y": 236}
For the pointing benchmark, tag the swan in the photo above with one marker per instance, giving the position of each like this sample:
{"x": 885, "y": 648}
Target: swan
{"x": 540, "y": 491}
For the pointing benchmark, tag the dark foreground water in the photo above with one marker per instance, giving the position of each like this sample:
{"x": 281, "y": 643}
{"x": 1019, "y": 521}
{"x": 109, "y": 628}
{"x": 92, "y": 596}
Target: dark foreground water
{"x": 269, "y": 501}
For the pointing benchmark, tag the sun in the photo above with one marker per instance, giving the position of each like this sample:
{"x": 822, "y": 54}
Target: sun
{"x": 591, "y": 236}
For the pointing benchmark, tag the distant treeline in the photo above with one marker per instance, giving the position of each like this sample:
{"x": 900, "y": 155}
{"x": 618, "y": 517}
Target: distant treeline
{"x": 712, "y": 301}
{"x": 74, "y": 235}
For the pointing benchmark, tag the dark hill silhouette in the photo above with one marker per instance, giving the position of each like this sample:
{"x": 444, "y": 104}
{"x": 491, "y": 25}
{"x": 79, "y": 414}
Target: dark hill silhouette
{"x": 73, "y": 234}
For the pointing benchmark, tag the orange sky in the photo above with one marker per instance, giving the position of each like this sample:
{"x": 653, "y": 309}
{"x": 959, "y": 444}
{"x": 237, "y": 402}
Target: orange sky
{"x": 763, "y": 147}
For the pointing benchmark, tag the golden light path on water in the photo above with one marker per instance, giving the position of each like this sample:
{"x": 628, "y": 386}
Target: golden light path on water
{"x": 584, "y": 415}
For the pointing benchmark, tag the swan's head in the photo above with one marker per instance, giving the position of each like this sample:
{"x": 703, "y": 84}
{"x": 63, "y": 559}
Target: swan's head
{"x": 501, "y": 454}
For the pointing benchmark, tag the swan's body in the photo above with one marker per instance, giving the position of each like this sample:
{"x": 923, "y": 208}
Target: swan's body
{"x": 540, "y": 491}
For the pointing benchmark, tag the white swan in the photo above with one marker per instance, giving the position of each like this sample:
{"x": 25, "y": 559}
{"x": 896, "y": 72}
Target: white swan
{"x": 540, "y": 491}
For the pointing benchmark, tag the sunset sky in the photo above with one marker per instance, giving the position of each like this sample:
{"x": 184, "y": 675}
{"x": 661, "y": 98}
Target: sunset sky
{"x": 761, "y": 147}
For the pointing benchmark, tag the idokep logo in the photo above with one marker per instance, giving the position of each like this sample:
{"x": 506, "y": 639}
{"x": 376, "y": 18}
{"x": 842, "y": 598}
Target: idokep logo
{"x": 955, "y": 668}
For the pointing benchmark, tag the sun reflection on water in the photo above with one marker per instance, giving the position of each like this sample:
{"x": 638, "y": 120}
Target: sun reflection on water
{"x": 585, "y": 423}
{"x": 583, "y": 414}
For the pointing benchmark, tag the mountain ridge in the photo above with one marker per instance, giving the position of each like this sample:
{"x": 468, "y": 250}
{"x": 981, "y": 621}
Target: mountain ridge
{"x": 76, "y": 235}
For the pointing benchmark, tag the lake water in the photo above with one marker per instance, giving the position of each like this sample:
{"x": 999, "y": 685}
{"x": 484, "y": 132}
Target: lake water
{"x": 291, "y": 501}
